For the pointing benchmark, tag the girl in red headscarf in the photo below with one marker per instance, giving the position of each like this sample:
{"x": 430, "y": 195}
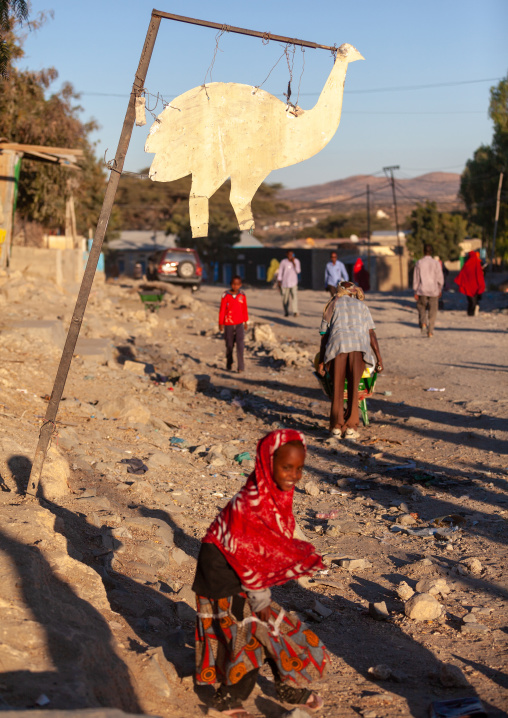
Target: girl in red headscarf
{"x": 247, "y": 549}
{"x": 361, "y": 276}
{"x": 471, "y": 282}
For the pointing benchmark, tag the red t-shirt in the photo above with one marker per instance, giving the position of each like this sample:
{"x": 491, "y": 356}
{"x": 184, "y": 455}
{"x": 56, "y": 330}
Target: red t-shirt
{"x": 233, "y": 309}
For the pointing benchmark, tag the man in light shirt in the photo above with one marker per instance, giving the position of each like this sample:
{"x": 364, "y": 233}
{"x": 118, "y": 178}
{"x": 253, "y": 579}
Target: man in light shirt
{"x": 335, "y": 272}
{"x": 428, "y": 284}
{"x": 287, "y": 281}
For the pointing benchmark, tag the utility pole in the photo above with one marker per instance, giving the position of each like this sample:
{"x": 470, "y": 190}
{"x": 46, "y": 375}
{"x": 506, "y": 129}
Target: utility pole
{"x": 390, "y": 170}
{"x": 496, "y": 218}
{"x": 368, "y": 228}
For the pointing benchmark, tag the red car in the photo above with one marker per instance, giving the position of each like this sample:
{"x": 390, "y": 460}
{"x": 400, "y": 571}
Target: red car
{"x": 178, "y": 266}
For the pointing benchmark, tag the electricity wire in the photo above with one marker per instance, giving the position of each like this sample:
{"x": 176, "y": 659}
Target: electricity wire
{"x": 313, "y": 94}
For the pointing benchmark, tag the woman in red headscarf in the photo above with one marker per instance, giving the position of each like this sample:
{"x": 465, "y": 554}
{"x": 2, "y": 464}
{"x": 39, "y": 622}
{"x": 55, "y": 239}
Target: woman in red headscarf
{"x": 247, "y": 549}
{"x": 471, "y": 282}
{"x": 361, "y": 276}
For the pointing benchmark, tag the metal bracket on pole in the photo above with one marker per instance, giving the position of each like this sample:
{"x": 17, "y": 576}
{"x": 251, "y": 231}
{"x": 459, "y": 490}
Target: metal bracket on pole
{"x": 48, "y": 425}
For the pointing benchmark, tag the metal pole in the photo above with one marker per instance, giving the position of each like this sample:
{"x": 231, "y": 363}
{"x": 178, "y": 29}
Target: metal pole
{"x": 242, "y": 31}
{"x": 48, "y": 425}
{"x": 399, "y": 248}
{"x": 368, "y": 228}
{"x": 498, "y": 202}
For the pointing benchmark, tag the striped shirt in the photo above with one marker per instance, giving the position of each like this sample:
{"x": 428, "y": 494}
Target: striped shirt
{"x": 347, "y": 322}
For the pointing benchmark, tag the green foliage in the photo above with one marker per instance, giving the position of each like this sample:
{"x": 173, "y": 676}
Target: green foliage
{"x": 28, "y": 116}
{"x": 480, "y": 179}
{"x": 344, "y": 225}
{"x": 10, "y": 12}
{"x": 443, "y": 230}
{"x": 165, "y": 206}
{"x": 223, "y": 229}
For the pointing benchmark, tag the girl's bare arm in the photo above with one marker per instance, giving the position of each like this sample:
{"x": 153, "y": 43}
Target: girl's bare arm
{"x": 375, "y": 348}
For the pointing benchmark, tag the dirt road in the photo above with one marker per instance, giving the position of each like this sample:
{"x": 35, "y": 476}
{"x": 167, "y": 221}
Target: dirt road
{"x": 425, "y": 455}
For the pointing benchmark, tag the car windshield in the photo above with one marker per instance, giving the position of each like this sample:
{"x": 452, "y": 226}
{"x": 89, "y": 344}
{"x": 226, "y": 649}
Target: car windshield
{"x": 179, "y": 257}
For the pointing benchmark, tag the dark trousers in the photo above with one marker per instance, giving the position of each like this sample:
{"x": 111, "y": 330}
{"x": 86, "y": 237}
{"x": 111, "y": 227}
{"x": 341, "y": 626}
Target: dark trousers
{"x": 234, "y": 333}
{"x": 333, "y": 290}
{"x": 351, "y": 367}
{"x": 472, "y": 303}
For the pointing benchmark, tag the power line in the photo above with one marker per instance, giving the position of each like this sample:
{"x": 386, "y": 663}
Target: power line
{"x": 416, "y": 112}
{"x": 401, "y": 88}
{"x": 422, "y": 87}
{"x": 433, "y": 169}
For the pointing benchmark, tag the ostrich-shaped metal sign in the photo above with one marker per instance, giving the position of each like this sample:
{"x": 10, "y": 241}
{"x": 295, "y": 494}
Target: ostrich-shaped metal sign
{"x": 227, "y": 130}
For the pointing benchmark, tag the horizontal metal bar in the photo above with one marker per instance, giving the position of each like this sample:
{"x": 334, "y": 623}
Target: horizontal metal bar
{"x": 40, "y": 148}
{"x": 243, "y": 31}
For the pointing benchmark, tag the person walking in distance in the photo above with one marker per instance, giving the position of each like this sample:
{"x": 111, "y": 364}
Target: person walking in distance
{"x": 471, "y": 282}
{"x": 233, "y": 317}
{"x": 428, "y": 284}
{"x": 287, "y": 281}
{"x": 335, "y": 272}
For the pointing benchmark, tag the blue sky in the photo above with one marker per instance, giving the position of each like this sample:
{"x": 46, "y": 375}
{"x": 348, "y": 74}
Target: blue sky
{"x": 96, "y": 45}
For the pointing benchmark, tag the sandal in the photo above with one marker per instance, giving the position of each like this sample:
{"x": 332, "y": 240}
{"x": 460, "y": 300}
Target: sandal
{"x": 301, "y": 697}
{"x": 314, "y": 702}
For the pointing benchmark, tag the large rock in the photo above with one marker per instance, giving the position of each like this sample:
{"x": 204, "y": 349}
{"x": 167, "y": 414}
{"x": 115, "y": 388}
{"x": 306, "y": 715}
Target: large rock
{"x": 434, "y": 586}
{"x": 154, "y": 556}
{"x": 45, "y": 331}
{"x": 472, "y": 566}
{"x": 189, "y": 382}
{"x": 159, "y": 459}
{"x": 423, "y": 607}
{"x": 161, "y": 530}
{"x": 452, "y": 677}
{"x": 76, "y": 713}
{"x": 94, "y": 351}
{"x": 55, "y": 474}
{"x": 138, "y": 367}
{"x": 127, "y": 408}
{"x": 312, "y": 489}
{"x": 263, "y": 333}
{"x": 404, "y": 591}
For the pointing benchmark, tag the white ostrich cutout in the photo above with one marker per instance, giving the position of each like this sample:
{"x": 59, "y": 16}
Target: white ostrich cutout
{"x": 228, "y": 130}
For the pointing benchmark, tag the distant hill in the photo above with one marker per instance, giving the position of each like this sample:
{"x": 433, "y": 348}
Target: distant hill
{"x": 340, "y": 195}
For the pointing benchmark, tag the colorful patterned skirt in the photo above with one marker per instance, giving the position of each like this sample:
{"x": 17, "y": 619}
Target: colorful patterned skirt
{"x": 227, "y": 647}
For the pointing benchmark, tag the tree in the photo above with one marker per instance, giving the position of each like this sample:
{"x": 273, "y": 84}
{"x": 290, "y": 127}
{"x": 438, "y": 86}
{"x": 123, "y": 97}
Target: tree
{"x": 27, "y": 116}
{"x": 480, "y": 179}
{"x": 343, "y": 225}
{"x": 443, "y": 230}
{"x": 146, "y": 205}
{"x": 223, "y": 229}
{"x": 10, "y": 10}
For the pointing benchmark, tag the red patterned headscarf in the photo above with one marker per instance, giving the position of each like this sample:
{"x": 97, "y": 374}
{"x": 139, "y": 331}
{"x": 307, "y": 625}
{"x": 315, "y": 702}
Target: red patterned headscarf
{"x": 255, "y": 529}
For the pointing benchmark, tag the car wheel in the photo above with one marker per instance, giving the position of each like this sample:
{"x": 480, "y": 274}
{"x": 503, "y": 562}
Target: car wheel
{"x": 185, "y": 270}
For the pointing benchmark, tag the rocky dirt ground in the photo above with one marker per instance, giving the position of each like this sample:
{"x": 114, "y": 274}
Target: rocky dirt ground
{"x": 95, "y": 592}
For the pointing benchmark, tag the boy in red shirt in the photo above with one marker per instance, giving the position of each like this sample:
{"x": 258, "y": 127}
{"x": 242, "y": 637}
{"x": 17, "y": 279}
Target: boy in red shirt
{"x": 233, "y": 315}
